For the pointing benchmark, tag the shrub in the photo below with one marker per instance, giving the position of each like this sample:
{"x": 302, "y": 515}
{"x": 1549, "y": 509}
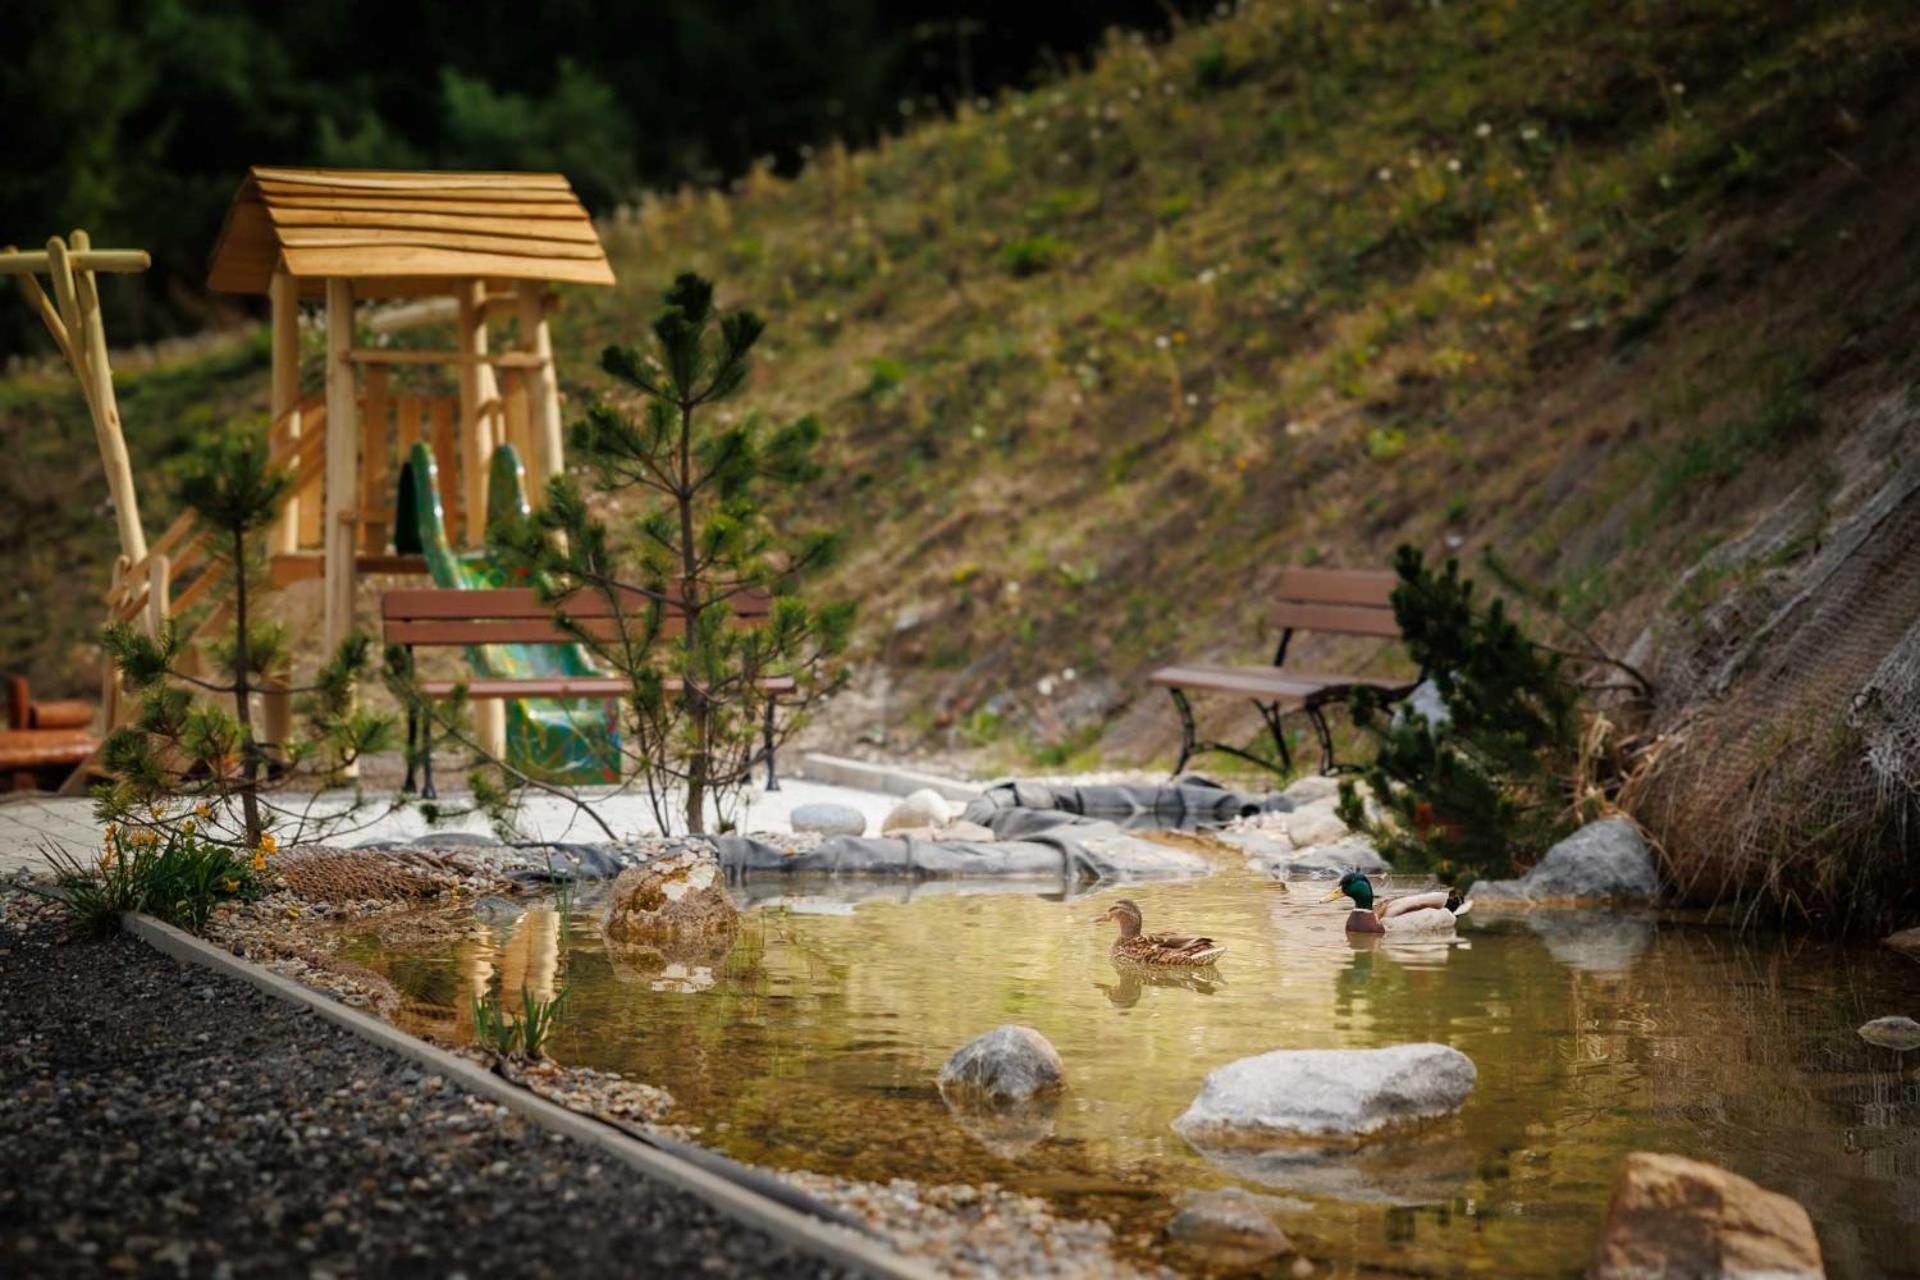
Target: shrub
{"x": 1031, "y": 255}
{"x": 171, "y": 874}
{"x": 1489, "y": 785}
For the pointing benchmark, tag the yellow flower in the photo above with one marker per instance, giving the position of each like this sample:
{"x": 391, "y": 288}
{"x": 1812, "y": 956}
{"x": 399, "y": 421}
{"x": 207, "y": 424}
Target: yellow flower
{"x": 269, "y": 843}
{"x": 187, "y": 826}
{"x": 259, "y": 860}
{"x": 230, "y": 884}
{"x": 1179, "y": 337}
{"x": 203, "y": 813}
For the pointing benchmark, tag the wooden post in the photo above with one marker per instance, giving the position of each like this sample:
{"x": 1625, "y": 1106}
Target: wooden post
{"x": 283, "y": 295}
{"x": 478, "y": 399}
{"x": 343, "y": 439}
{"x": 544, "y": 392}
{"x": 80, "y": 304}
{"x": 479, "y": 403}
{"x": 159, "y": 591}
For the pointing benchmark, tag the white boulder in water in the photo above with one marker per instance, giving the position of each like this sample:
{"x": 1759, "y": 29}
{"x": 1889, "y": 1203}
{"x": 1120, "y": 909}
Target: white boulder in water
{"x": 829, "y": 819}
{"x": 1305, "y": 1093}
{"x": 924, "y": 808}
{"x": 1604, "y": 861}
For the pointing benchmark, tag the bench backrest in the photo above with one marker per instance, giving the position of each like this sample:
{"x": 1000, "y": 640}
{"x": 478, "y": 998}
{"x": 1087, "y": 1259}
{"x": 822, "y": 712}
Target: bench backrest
{"x": 1355, "y": 602}
{"x": 516, "y": 615}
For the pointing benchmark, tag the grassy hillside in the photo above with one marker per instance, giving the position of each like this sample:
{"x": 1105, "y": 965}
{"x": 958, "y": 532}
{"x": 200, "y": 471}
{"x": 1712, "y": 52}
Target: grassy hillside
{"x": 1568, "y": 280}
{"x": 1588, "y": 284}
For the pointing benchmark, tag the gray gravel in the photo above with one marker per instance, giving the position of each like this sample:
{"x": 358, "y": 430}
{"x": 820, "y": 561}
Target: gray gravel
{"x": 162, "y": 1121}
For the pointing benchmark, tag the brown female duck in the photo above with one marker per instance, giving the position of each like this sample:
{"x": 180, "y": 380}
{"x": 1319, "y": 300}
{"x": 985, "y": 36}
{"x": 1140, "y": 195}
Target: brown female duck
{"x": 1159, "y": 949}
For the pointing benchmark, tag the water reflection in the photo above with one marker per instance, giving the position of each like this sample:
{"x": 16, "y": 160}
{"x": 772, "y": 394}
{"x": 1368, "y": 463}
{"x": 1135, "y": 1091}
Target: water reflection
{"x": 816, "y": 1038}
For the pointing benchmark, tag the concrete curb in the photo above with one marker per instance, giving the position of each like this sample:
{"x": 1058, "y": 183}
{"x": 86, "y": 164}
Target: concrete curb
{"x": 863, "y": 775}
{"x": 788, "y": 1226}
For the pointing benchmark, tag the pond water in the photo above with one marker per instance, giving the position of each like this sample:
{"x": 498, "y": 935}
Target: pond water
{"x": 815, "y": 1041}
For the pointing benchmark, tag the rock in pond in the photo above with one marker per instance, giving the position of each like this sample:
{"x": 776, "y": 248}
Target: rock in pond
{"x": 1311, "y": 1093}
{"x": 1010, "y": 1063}
{"x": 924, "y": 808}
{"x": 1892, "y": 1033}
{"x": 1232, "y": 1225}
{"x": 1604, "y": 861}
{"x": 1671, "y": 1216}
{"x": 678, "y": 895}
{"x": 829, "y": 819}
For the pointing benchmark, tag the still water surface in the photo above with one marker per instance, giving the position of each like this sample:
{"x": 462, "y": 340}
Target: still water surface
{"x": 814, "y": 1044}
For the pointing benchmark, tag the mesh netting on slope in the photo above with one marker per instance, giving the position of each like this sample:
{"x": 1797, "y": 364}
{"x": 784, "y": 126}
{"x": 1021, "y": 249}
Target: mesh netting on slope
{"x": 1792, "y": 779}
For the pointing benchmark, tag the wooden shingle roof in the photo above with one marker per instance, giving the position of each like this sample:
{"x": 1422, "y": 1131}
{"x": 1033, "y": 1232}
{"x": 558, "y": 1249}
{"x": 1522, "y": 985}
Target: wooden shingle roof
{"x": 404, "y": 233}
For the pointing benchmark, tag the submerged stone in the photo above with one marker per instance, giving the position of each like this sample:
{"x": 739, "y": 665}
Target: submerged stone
{"x": 1671, "y": 1216}
{"x": 1010, "y": 1063}
{"x": 1307, "y": 1093}
{"x": 1235, "y": 1226}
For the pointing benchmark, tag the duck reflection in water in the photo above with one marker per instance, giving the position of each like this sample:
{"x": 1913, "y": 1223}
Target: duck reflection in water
{"x": 1132, "y": 979}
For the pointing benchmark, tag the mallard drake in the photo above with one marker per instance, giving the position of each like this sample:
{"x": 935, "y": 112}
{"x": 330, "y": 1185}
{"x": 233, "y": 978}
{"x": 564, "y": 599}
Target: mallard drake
{"x": 1160, "y": 949}
{"x": 1431, "y": 912}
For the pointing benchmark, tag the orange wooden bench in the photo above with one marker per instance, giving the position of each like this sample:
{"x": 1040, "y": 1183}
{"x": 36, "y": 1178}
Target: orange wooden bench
{"x": 42, "y": 738}
{"x": 1339, "y": 601}
{"x": 446, "y": 618}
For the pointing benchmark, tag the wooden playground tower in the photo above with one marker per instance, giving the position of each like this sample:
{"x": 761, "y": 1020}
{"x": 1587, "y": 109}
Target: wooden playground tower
{"x": 485, "y": 246}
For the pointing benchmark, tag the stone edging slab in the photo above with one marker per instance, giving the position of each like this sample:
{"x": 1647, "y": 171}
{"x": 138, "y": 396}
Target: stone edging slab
{"x": 866, "y": 776}
{"x": 788, "y": 1226}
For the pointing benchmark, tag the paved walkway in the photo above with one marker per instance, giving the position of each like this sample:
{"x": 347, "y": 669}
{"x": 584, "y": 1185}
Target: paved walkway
{"x": 31, "y": 823}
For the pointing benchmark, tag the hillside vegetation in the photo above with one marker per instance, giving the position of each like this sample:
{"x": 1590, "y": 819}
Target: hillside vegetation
{"x": 1593, "y": 286}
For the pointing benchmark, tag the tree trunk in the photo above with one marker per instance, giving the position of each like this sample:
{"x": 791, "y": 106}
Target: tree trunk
{"x": 698, "y": 712}
{"x": 243, "y": 694}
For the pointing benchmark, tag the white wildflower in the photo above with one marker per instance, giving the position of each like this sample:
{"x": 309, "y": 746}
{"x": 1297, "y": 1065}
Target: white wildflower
{"x": 1483, "y": 130}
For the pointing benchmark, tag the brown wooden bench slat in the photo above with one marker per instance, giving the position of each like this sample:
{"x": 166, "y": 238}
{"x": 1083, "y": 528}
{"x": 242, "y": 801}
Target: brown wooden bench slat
{"x": 462, "y": 631}
{"x": 1337, "y": 586}
{"x": 565, "y": 687}
{"x": 521, "y": 602}
{"x": 1339, "y": 619}
{"x": 1265, "y": 682}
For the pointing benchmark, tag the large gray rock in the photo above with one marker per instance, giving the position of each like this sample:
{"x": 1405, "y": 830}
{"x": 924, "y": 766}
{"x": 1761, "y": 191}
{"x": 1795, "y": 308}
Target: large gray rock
{"x": 1892, "y": 1033}
{"x": 1308, "y": 1093}
{"x": 1604, "y": 861}
{"x": 1674, "y": 1217}
{"x": 829, "y": 819}
{"x": 1008, "y": 1064}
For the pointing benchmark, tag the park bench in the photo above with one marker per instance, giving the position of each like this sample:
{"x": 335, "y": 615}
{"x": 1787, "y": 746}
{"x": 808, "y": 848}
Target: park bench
{"x": 42, "y": 738}
{"x": 429, "y": 618}
{"x": 1337, "y": 601}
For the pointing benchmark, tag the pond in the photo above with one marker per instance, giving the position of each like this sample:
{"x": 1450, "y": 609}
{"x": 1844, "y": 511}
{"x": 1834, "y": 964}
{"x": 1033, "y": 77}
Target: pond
{"x": 815, "y": 1041}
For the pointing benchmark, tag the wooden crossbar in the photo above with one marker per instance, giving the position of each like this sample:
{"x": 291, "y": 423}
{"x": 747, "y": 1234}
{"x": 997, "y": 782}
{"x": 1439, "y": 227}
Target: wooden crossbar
{"x": 511, "y": 615}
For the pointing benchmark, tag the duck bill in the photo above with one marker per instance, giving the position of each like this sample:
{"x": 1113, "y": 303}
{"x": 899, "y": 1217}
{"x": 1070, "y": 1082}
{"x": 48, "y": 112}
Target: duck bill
{"x": 1337, "y": 893}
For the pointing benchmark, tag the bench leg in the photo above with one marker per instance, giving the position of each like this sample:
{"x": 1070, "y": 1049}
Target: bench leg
{"x": 773, "y": 779}
{"x": 1270, "y": 712}
{"x": 1185, "y": 709}
{"x": 1324, "y": 732}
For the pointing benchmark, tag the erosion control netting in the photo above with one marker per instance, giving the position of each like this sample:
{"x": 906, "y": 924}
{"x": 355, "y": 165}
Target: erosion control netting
{"x": 1790, "y": 774}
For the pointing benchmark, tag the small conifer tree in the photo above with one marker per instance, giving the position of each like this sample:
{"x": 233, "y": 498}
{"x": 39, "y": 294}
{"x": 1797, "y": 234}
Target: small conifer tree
{"x": 699, "y": 541}
{"x": 1488, "y": 783}
{"x": 190, "y": 761}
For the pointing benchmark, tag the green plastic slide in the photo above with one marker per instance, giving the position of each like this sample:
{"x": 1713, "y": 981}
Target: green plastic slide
{"x": 555, "y": 740}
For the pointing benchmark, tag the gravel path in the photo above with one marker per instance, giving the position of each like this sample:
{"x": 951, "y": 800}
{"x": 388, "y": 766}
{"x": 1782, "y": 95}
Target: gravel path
{"x": 163, "y": 1121}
